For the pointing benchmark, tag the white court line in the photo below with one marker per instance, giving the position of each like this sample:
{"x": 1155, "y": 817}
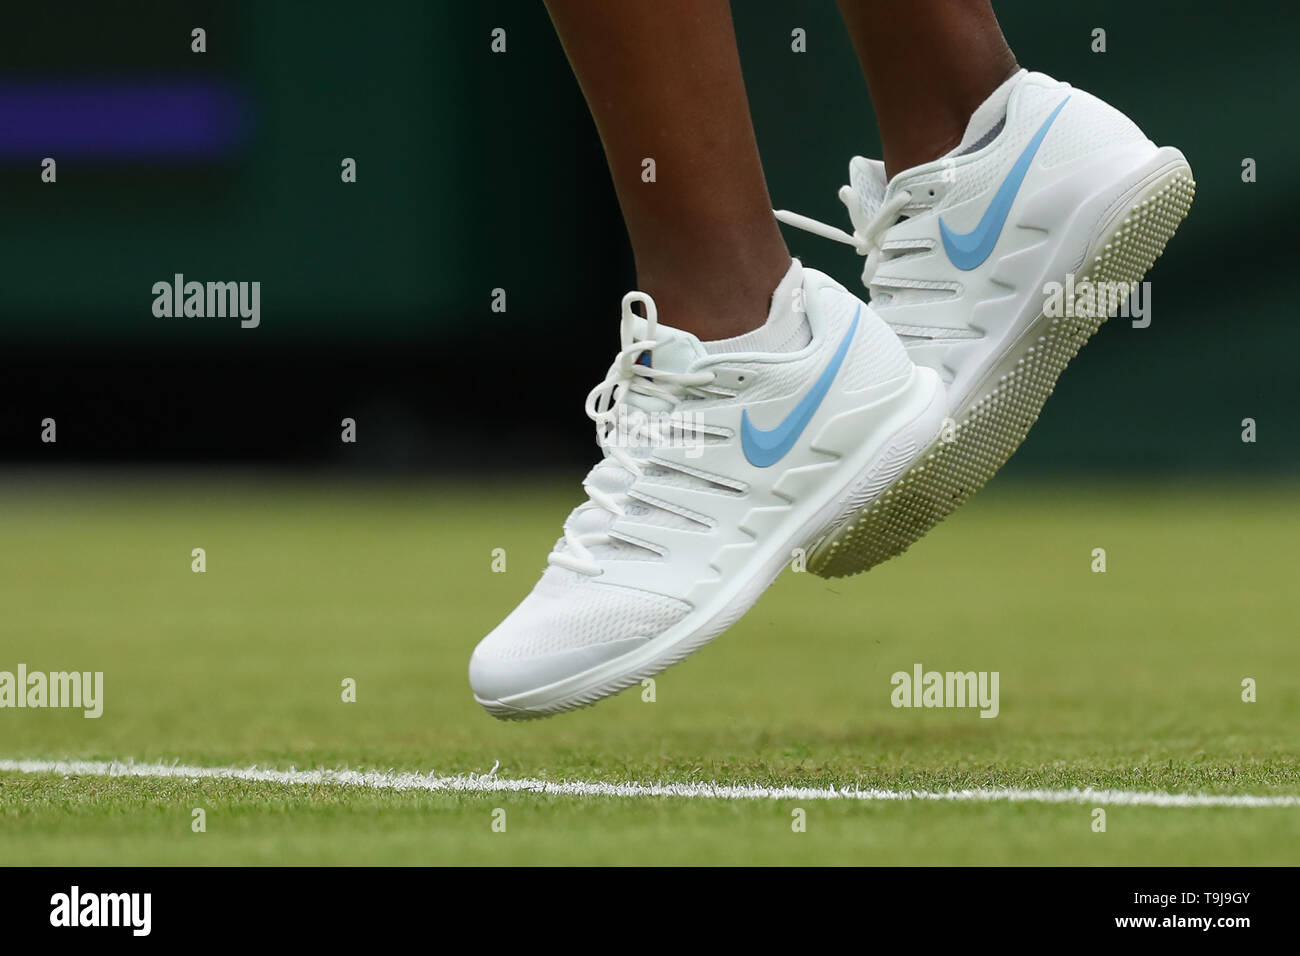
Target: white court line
{"x": 490, "y": 783}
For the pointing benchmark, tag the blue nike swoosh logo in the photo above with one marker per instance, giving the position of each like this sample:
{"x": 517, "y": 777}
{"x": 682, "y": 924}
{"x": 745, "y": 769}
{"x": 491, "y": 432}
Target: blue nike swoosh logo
{"x": 764, "y": 447}
{"x": 968, "y": 250}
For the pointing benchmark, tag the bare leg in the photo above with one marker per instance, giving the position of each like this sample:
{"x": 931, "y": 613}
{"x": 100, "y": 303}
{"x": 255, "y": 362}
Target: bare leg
{"x": 663, "y": 81}
{"x": 929, "y": 64}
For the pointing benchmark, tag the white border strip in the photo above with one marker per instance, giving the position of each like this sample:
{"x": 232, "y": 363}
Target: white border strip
{"x": 490, "y": 783}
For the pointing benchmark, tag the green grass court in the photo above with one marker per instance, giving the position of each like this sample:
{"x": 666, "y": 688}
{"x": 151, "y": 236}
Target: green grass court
{"x": 1129, "y": 680}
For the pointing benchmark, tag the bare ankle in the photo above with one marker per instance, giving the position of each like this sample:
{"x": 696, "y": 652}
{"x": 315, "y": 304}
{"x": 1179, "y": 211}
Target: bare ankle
{"x": 716, "y": 302}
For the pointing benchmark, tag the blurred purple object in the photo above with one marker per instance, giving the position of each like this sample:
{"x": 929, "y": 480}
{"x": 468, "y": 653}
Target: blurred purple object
{"x": 117, "y": 119}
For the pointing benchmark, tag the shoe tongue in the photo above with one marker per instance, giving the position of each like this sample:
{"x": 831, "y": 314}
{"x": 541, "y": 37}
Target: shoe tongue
{"x": 678, "y": 351}
{"x": 868, "y": 179}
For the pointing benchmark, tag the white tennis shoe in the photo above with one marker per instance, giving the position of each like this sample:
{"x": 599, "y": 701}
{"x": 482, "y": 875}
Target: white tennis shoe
{"x": 717, "y": 466}
{"x": 994, "y": 265}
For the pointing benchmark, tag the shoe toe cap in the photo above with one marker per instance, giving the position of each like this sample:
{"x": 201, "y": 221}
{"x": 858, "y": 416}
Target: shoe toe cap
{"x": 497, "y": 678}
{"x": 565, "y": 627}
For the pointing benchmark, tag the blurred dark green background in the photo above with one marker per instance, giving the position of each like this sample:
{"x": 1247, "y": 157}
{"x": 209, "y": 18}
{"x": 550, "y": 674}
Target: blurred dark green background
{"x": 479, "y": 170}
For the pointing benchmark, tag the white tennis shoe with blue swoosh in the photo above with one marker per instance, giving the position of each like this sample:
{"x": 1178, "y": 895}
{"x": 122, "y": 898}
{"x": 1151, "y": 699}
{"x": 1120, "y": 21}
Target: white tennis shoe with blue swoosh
{"x": 719, "y": 469}
{"x": 966, "y": 258}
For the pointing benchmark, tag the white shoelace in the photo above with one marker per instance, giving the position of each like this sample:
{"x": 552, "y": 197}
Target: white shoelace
{"x": 618, "y": 423}
{"x": 867, "y": 231}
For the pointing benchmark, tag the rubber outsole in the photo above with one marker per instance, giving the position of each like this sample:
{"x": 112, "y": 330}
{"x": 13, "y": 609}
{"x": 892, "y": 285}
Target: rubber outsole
{"x": 991, "y": 427}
